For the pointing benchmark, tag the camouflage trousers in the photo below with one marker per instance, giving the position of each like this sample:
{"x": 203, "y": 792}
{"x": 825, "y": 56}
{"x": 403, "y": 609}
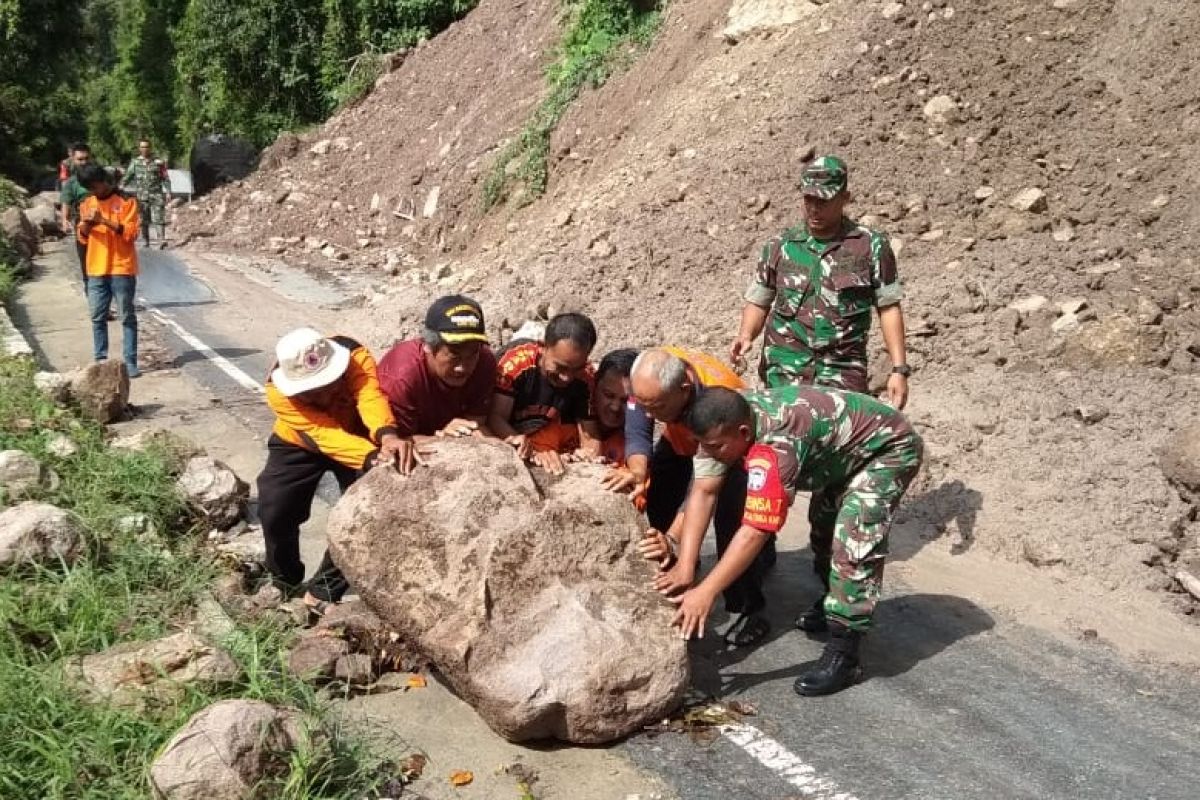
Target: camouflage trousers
{"x": 786, "y": 366}
{"x": 850, "y": 525}
{"x": 153, "y": 211}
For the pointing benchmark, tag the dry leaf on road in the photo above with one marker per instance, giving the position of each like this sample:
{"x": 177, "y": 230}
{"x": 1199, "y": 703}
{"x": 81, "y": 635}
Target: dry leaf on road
{"x": 461, "y": 778}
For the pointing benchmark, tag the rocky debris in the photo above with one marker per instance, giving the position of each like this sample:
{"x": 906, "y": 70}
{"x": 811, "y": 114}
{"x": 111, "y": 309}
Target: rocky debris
{"x": 141, "y": 674}
{"x": 19, "y": 231}
{"x": 355, "y": 669}
{"x": 33, "y": 532}
{"x": 320, "y": 147}
{"x": 62, "y": 446}
{"x": 941, "y": 110}
{"x": 1179, "y": 459}
{"x": 1090, "y": 415}
{"x": 21, "y": 474}
{"x": 1041, "y": 552}
{"x": 1115, "y": 341}
{"x": 1031, "y": 200}
{"x": 892, "y": 11}
{"x": 54, "y": 385}
{"x": 214, "y": 491}
{"x": 178, "y": 449}
{"x": 314, "y": 657}
{"x": 531, "y": 600}
{"x": 1029, "y": 305}
{"x": 229, "y": 751}
{"x": 101, "y": 390}
{"x": 350, "y": 642}
{"x": 44, "y": 220}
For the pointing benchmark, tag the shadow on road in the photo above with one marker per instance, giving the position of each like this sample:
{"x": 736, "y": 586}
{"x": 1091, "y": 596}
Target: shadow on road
{"x": 188, "y": 356}
{"x": 184, "y": 304}
{"x": 949, "y": 509}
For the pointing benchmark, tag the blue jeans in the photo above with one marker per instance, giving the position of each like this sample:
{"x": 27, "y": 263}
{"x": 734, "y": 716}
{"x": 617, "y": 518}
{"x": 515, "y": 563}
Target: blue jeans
{"x": 101, "y": 294}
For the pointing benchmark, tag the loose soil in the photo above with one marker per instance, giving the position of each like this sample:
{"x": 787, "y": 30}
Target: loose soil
{"x": 664, "y": 183}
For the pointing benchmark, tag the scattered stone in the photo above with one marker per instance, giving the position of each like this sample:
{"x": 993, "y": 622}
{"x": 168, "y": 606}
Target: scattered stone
{"x": 543, "y": 623}
{"x": 1090, "y": 415}
{"x": 227, "y": 752}
{"x": 139, "y": 674}
{"x": 44, "y": 220}
{"x": 1031, "y": 200}
{"x": 20, "y": 474}
{"x": 563, "y": 218}
{"x": 1041, "y": 552}
{"x": 1117, "y": 340}
{"x": 932, "y": 235}
{"x": 355, "y": 669}
{"x": 102, "y": 390}
{"x": 1073, "y": 305}
{"x": 1063, "y": 232}
{"x": 431, "y": 202}
{"x": 603, "y": 248}
{"x": 1179, "y": 458}
{"x": 1160, "y": 201}
{"x": 892, "y": 11}
{"x": 341, "y": 144}
{"x": 941, "y": 110}
{"x": 984, "y": 192}
{"x": 61, "y": 445}
{"x": 19, "y": 231}
{"x": 33, "y": 532}
{"x": 54, "y": 385}
{"x": 315, "y": 657}
{"x": 1148, "y": 312}
{"x": 1067, "y": 323}
{"x": 320, "y": 148}
{"x": 1029, "y": 305}
{"x": 214, "y": 490}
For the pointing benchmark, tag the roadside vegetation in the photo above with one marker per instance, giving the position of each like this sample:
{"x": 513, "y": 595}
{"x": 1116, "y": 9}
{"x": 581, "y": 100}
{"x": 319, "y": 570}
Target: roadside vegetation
{"x": 129, "y": 586}
{"x": 601, "y": 37}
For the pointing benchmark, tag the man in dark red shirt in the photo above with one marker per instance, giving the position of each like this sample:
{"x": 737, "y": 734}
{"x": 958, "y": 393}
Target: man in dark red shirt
{"x": 441, "y": 384}
{"x": 543, "y": 395}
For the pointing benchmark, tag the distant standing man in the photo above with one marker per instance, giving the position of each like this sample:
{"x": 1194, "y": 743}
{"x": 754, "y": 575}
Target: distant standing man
{"x": 70, "y": 195}
{"x": 147, "y": 177}
{"x": 108, "y": 226}
{"x": 813, "y": 292}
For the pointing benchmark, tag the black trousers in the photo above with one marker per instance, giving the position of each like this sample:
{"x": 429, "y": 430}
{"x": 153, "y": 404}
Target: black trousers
{"x": 286, "y": 488}
{"x": 670, "y": 479}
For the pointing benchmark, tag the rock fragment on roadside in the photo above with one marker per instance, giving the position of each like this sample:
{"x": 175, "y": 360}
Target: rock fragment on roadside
{"x": 214, "y": 491}
{"x": 101, "y": 390}
{"x": 38, "y": 533}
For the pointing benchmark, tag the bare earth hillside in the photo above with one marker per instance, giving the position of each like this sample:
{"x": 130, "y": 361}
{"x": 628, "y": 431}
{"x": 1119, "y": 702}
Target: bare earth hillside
{"x": 1035, "y": 163}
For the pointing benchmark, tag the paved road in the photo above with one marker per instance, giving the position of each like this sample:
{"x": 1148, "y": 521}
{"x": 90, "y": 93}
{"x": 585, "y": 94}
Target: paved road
{"x": 960, "y": 703}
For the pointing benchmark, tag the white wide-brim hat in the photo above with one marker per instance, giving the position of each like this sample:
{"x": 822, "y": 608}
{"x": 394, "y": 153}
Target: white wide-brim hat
{"x": 306, "y": 361}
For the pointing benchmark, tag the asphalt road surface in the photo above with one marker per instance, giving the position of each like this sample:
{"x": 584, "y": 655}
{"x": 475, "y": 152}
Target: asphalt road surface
{"x": 958, "y": 702}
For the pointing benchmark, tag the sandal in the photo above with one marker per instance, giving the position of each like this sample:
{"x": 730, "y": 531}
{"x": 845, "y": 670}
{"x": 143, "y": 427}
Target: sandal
{"x": 316, "y": 609}
{"x": 747, "y": 630}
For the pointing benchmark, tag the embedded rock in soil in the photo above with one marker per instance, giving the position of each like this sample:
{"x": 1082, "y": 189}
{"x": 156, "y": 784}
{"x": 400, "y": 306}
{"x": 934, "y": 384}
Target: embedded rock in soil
{"x": 133, "y": 674}
{"x": 532, "y": 602}
{"x": 228, "y": 751}
{"x": 102, "y": 390}
{"x": 214, "y": 490}
{"x": 1180, "y": 459}
{"x": 38, "y": 532}
{"x": 20, "y": 474}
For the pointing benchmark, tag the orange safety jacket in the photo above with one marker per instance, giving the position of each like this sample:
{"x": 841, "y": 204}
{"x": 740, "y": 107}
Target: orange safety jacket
{"x": 705, "y": 371}
{"x": 109, "y": 252}
{"x": 350, "y": 429}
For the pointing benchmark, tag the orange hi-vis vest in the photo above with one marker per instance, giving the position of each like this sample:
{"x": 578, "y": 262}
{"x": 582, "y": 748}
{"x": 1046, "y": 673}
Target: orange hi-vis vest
{"x": 110, "y": 253}
{"x": 705, "y": 371}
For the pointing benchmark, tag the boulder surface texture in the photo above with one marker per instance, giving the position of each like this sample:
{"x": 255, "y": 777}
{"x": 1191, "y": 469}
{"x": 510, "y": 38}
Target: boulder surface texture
{"x": 530, "y": 599}
{"x": 33, "y": 532}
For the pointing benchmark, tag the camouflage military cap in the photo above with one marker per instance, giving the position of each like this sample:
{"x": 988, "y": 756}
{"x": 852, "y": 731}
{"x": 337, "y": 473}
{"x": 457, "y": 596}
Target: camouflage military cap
{"x": 824, "y": 177}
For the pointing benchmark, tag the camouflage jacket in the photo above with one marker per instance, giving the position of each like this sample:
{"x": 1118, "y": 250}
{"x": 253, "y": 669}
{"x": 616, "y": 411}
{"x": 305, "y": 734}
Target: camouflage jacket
{"x": 820, "y": 295}
{"x": 147, "y": 177}
{"x": 823, "y": 437}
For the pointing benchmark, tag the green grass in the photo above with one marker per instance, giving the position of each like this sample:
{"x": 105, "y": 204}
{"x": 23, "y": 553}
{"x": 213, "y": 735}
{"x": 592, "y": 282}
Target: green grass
{"x": 56, "y": 744}
{"x": 601, "y": 36}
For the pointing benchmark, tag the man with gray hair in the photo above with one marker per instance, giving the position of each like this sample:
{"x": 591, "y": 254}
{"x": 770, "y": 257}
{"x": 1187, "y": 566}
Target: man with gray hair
{"x": 666, "y": 382}
{"x": 441, "y": 383}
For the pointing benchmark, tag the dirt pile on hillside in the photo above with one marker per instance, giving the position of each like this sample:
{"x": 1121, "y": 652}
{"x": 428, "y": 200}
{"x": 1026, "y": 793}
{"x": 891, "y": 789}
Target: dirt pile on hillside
{"x": 1032, "y": 161}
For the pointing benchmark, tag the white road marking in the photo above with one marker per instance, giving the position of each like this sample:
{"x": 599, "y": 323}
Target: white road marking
{"x": 783, "y": 762}
{"x": 222, "y": 363}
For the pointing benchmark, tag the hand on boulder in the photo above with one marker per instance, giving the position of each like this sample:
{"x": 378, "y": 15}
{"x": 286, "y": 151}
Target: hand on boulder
{"x": 549, "y": 460}
{"x": 521, "y": 442}
{"x": 403, "y": 454}
{"x": 656, "y": 546}
{"x": 622, "y": 479}
{"x": 694, "y": 607}
{"x": 676, "y": 579}
{"x": 460, "y": 427}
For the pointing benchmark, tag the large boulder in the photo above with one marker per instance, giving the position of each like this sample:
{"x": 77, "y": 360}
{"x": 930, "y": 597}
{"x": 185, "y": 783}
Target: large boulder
{"x": 531, "y": 600}
{"x": 101, "y": 389}
{"x": 44, "y": 220}
{"x": 20, "y": 231}
{"x": 137, "y": 674}
{"x": 38, "y": 533}
{"x": 232, "y": 750}
{"x": 215, "y": 491}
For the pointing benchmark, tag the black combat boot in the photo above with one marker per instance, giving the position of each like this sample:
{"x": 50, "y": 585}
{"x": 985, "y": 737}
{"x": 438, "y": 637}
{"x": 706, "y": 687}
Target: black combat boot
{"x": 837, "y": 667}
{"x": 812, "y": 620}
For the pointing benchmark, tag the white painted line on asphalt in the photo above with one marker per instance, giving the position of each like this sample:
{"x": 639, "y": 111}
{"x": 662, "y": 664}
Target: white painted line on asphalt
{"x": 222, "y": 363}
{"x": 783, "y": 762}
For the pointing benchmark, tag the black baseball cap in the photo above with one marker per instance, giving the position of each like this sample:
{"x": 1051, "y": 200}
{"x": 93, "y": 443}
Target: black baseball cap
{"x": 456, "y": 318}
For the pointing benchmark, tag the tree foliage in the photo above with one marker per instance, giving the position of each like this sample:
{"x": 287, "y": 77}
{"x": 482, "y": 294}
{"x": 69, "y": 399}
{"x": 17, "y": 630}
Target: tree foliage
{"x": 113, "y": 71}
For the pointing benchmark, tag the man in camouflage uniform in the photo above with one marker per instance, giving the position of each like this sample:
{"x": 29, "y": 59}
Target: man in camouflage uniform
{"x": 813, "y": 292}
{"x": 71, "y": 194}
{"x": 852, "y": 446}
{"x": 147, "y": 178}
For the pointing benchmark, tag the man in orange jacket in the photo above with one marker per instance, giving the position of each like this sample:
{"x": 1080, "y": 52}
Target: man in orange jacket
{"x": 108, "y": 227}
{"x": 330, "y": 416}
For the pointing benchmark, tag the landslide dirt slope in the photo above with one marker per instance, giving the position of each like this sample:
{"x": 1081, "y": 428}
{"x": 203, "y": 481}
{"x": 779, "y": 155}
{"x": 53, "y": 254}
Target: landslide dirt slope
{"x": 1042, "y": 431}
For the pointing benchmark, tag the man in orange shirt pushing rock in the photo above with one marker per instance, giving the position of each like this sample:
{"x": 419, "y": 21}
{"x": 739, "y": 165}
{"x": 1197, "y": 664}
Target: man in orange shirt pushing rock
{"x": 108, "y": 227}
